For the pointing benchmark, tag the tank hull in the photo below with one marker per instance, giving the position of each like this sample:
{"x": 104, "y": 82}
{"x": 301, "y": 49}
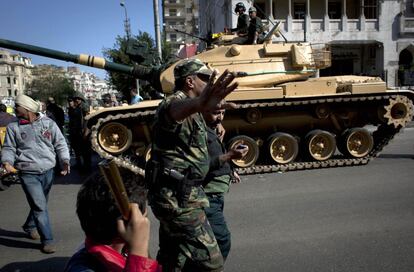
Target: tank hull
{"x": 259, "y": 119}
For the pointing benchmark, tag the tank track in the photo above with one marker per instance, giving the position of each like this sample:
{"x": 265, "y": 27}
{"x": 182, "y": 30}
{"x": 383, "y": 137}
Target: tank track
{"x": 382, "y": 136}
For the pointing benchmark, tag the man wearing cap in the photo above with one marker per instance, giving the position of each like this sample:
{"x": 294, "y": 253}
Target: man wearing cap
{"x": 255, "y": 27}
{"x": 31, "y": 146}
{"x": 179, "y": 162}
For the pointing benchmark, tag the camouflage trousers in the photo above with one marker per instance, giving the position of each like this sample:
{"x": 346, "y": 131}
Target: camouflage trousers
{"x": 187, "y": 241}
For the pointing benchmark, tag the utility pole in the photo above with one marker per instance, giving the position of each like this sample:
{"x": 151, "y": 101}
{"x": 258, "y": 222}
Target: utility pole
{"x": 127, "y": 25}
{"x": 157, "y": 28}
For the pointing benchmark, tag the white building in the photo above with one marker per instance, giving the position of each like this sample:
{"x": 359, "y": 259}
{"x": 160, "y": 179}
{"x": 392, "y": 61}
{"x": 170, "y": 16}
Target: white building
{"x": 181, "y": 15}
{"x": 371, "y": 37}
{"x": 15, "y": 74}
{"x": 88, "y": 84}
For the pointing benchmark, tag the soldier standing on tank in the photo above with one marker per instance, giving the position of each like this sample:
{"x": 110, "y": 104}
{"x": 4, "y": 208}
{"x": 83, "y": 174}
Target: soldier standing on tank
{"x": 242, "y": 21}
{"x": 179, "y": 163}
{"x": 255, "y": 27}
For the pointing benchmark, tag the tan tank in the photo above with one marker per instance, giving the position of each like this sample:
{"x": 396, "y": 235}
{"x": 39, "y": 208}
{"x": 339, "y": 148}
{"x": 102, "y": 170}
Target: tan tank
{"x": 289, "y": 118}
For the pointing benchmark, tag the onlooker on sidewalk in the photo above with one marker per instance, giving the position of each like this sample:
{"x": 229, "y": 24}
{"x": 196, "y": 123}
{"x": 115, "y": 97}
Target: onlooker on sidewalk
{"x": 56, "y": 112}
{"x": 135, "y": 97}
{"x": 31, "y": 146}
{"x": 109, "y": 238}
{"x": 5, "y": 119}
{"x": 78, "y": 139}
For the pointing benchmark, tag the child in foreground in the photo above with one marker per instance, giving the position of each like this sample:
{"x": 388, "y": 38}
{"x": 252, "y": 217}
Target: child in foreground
{"x": 111, "y": 243}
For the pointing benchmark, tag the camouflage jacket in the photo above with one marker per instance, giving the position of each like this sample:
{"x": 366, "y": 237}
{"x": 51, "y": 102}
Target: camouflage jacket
{"x": 181, "y": 145}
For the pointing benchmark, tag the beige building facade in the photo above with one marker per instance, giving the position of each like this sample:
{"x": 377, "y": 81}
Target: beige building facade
{"x": 15, "y": 74}
{"x": 179, "y": 17}
{"x": 366, "y": 37}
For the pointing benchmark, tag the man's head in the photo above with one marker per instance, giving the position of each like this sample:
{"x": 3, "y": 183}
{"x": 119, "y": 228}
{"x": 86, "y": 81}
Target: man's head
{"x": 78, "y": 98}
{"x": 3, "y": 108}
{"x": 240, "y": 8}
{"x": 25, "y": 106}
{"x": 96, "y": 207}
{"x": 214, "y": 118}
{"x": 252, "y": 12}
{"x": 133, "y": 92}
{"x": 71, "y": 102}
{"x": 51, "y": 100}
{"x": 191, "y": 76}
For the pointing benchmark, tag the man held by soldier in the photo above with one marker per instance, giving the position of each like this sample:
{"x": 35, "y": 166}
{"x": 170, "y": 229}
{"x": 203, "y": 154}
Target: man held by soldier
{"x": 219, "y": 176}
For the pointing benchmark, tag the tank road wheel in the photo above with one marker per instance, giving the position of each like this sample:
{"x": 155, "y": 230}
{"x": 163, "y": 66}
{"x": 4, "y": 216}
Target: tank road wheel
{"x": 251, "y": 156}
{"x": 356, "y": 142}
{"x": 399, "y": 111}
{"x": 283, "y": 147}
{"x": 114, "y": 138}
{"x": 320, "y": 144}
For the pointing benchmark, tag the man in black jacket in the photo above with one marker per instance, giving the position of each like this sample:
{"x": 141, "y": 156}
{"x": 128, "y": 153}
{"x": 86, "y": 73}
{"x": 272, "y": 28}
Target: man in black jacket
{"x": 219, "y": 176}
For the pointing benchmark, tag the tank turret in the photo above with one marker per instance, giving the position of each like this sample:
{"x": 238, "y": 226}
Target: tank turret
{"x": 288, "y": 117}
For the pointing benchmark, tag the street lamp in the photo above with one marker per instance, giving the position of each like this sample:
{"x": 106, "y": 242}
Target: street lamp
{"x": 127, "y": 25}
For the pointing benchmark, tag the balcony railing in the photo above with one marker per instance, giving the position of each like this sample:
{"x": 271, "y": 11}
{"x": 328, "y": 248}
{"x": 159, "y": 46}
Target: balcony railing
{"x": 335, "y": 25}
{"x": 174, "y": 3}
{"x": 406, "y": 25}
{"x": 317, "y": 25}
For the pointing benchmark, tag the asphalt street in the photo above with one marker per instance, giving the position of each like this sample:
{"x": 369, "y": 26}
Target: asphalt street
{"x": 340, "y": 219}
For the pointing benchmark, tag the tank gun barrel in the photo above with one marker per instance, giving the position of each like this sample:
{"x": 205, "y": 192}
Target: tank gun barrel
{"x": 82, "y": 59}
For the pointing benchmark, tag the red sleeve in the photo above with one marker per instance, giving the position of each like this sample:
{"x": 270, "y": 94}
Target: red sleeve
{"x": 137, "y": 263}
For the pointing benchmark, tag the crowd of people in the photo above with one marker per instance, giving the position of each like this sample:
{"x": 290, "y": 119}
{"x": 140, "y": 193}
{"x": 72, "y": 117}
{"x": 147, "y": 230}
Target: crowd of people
{"x": 189, "y": 205}
{"x": 186, "y": 178}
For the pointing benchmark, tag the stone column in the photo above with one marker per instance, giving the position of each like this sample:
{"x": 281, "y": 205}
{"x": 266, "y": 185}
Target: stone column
{"x": 308, "y": 20}
{"x": 289, "y": 24}
{"x": 326, "y": 18}
{"x": 344, "y": 17}
{"x": 269, "y": 8}
{"x": 362, "y": 17}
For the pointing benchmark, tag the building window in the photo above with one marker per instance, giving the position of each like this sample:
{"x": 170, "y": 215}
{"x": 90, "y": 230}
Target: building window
{"x": 1, "y": 56}
{"x": 370, "y": 9}
{"x": 173, "y": 23}
{"x": 189, "y": 10}
{"x": 173, "y": 37}
{"x": 15, "y": 92}
{"x": 14, "y": 81}
{"x": 9, "y": 91}
{"x": 299, "y": 10}
{"x": 172, "y": 1}
{"x": 334, "y": 10}
{"x": 172, "y": 12}
{"x": 8, "y": 80}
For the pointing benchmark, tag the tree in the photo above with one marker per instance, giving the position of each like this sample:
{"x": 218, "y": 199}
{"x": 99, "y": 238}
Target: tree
{"x": 49, "y": 82}
{"x": 123, "y": 82}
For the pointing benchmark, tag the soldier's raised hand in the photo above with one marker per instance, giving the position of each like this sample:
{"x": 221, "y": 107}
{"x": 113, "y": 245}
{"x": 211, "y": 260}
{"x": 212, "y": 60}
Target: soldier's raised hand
{"x": 212, "y": 97}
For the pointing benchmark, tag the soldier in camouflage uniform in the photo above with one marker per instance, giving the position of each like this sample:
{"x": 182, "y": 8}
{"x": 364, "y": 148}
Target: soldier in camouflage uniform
{"x": 179, "y": 163}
